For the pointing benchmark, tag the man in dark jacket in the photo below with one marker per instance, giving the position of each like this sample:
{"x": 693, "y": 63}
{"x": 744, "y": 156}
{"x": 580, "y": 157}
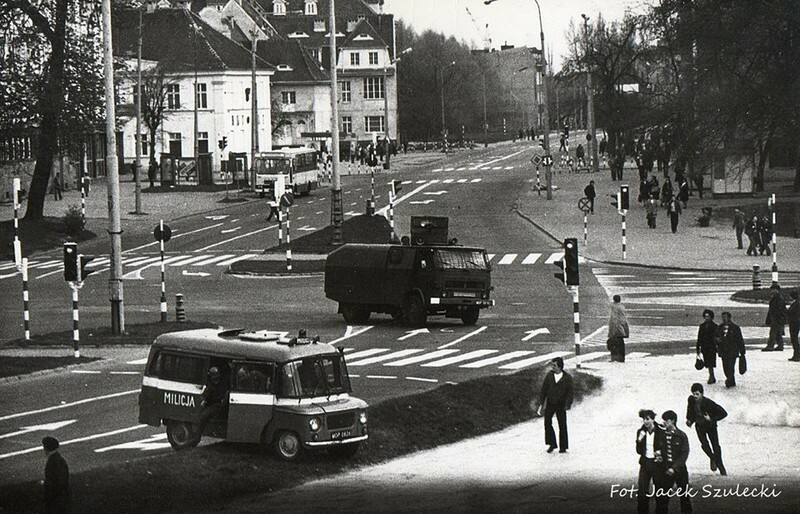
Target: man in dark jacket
{"x": 674, "y": 450}
{"x": 556, "y": 397}
{"x": 730, "y": 345}
{"x": 706, "y": 347}
{"x": 793, "y": 317}
{"x": 704, "y": 414}
{"x": 56, "y": 478}
{"x": 648, "y": 438}
{"x": 776, "y": 319}
{"x": 591, "y": 194}
{"x": 765, "y": 233}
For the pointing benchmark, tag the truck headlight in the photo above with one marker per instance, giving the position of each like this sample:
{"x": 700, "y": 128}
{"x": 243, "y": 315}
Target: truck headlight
{"x": 362, "y": 417}
{"x": 314, "y": 424}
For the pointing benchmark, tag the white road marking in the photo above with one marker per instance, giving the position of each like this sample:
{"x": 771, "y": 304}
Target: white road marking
{"x": 65, "y": 405}
{"x": 230, "y": 261}
{"x": 422, "y": 358}
{"x": 459, "y": 358}
{"x": 533, "y": 360}
{"x": 78, "y": 440}
{"x": 235, "y": 238}
{"x": 535, "y": 332}
{"x": 386, "y": 357}
{"x": 422, "y": 379}
{"x": 351, "y": 331}
{"x": 531, "y": 258}
{"x": 508, "y": 258}
{"x": 213, "y": 259}
{"x": 475, "y": 332}
{"x": 155, "y": 243}
{"x": 365, "y": 353}
{"x": 154, "y": 442}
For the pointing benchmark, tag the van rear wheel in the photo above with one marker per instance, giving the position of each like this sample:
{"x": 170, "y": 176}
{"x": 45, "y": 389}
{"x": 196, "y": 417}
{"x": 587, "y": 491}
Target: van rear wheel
{"x": 354, "y": 313}
{"x": 470, "y": 315}
{"x": 414, "y": 311}
{"x": 288, "y": 446}
{"x": 182, "y": 435}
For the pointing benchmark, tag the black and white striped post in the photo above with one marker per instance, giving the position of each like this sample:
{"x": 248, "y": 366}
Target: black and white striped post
{"x": 83, "y": 196}
{"x": 576, "y": 318}
{"x": 774, "y": 241}
{"x": 391, "y": 208}
{"x": 76, "y": 330}
{"x": 372, "y": 184}
{"x": 280, "y": 226}
{"x": 17, "y": 243}
{"x": 585, "y": 228}
{"x": 624, "y": 239}
{"x": 26, "y": 315}
{"x": 163, "y": 276}
{"x": 538, "y": 183}
{"x": 288, "y": 243}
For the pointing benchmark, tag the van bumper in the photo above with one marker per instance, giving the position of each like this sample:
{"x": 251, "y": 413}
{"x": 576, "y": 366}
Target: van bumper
{"x": 317, "y": 444}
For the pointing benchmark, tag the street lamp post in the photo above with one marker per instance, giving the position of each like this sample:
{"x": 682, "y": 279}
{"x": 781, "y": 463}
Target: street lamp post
{"x": 441, "y": 89}
{"x": 590, "y": 102}
{"x": 548, "y": 161}
{"x": 387, "y": 138}
{"x": 337, "y": 213}
{"x": 485, "y": 125}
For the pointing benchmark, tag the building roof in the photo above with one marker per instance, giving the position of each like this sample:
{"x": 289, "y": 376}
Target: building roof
{"x": 302, "y": 67}
{"x": 180, "y": 41}
{"x": 364, "y": 36}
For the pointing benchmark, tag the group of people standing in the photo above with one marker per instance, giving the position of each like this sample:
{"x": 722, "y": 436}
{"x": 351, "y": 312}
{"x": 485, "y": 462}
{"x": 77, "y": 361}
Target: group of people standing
{"x": 778, "y": 316}
{"x": 758, "y": 230}
{"x": 725, "y": 340}
{"x": 654, "y": 196}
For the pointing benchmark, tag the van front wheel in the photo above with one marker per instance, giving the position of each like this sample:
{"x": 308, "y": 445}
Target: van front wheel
{"x": 182, "y": 435}
{"x": 288, "y": 446}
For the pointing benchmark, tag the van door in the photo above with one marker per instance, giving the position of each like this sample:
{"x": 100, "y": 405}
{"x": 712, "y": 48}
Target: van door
{"x": 252, "y": 400}
{"x": 399, "y": 263}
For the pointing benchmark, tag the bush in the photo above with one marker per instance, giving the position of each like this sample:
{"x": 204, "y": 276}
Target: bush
{"x": 74, "y": 222}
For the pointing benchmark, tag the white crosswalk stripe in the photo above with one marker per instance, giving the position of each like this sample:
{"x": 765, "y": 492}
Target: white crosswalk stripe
{"x": 533, "y": 360}
{"x": 508, "y": 258}
{"x": 531, "y": 258}
{"x": 210, "y": 260}
{"x": 230, "y": 261}
{"x": 459, "y": 358}
{"x": 381, "y": 358}
{"x": 364, "y": 353}
{"x": 494, "y": 360}
{"x": 422, "y": 358}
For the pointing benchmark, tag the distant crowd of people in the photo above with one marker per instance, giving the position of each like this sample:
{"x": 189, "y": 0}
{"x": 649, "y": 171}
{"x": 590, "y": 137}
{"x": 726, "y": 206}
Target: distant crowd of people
{"x": 758, "y": 230}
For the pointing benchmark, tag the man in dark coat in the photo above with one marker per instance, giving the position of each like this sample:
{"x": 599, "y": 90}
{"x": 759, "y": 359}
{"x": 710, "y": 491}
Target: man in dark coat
{"x": 765, "y": 233}
{"x": 556, "y": 396}
{"x": 706, "y": 347}
{"x": 56, "y": 478}
{"x": 730, "y": 345}
{"x": 590, "y": 193}
{"x": 793, "y": 317}
{"x": 776, "y": 319}
{"x": 751, "y": 229}
{"x": 704, "y": 414}
{"x": 674, "y": 450}
{"x": 648, "y": 439}
{"x": 738, "y": 225}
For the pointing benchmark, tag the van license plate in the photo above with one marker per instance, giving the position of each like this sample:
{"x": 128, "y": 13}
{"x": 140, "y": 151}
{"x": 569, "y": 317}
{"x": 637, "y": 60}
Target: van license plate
{"x": 340, "y": 434}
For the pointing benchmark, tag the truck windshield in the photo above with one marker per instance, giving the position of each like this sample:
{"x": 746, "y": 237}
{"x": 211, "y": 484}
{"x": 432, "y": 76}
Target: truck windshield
{"x": 314, "y": 376}
{"x": 459, "y": 259}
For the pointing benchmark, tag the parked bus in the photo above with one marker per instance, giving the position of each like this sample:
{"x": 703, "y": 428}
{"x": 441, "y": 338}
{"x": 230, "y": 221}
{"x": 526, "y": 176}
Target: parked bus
{"x": 286, "y": 170}
{"x": 286, "y": 394}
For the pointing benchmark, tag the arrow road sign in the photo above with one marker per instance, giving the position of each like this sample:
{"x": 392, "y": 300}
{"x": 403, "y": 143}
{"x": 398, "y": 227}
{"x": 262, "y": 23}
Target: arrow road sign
{"x": 195, "y": 274}
{"x": 421, "y": 202}
{"x": 534, "y": 333}
{"x": 412, "y": 333}
{"x": 437, "y": 193}
{"x": 38, "y": 428}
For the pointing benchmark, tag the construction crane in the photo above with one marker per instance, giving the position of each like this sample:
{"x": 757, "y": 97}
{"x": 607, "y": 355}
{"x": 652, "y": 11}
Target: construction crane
{"x": 487, "y": 41}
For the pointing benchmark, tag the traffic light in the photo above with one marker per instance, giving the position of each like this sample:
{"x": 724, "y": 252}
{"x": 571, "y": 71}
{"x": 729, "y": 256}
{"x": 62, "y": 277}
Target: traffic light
{"x": 396, "y": 187}
{"x": 83, "y": 260}
{"x": 615, "y": 201}
{"x": 561, "y": 271}
{"x": 71, "y": 262}
{"x": 223, "y": 142}
{"x": 571, "y": 260}
{"x": 624, "y": 203}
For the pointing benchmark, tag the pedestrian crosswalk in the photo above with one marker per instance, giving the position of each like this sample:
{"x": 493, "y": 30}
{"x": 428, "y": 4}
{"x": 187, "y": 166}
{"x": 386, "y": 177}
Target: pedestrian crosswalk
{"x": 440, "y": 358}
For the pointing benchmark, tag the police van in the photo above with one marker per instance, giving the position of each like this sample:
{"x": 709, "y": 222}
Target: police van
{"x": 289, "y": 394}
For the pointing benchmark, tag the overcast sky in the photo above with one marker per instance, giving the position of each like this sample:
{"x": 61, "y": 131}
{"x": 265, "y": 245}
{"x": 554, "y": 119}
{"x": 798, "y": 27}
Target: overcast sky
{"x": 513, "y": 21}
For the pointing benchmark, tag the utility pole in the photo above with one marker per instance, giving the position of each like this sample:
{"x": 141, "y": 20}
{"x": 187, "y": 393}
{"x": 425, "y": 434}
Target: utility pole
{"x": 337, "y": 214}
{"x": 254, "y": 109}
{"x": 138, "y": 171}
{"x": 485, "y": 125}
{"x": 590, "y": 101}
{"x": 115, "y": 288}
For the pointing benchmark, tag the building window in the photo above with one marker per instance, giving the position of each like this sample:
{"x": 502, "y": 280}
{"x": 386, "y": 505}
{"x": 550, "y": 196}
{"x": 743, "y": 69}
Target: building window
{"x": 373, "y": 58}
{"x": 355, "y": 59}
{"x": 175, "y": 147}
{"x": 373, "y": 123}
{"x": 319, "y": 25}
{"x": 279, "y": 7}
{"x": 247, "y": 94}
{"x": 344, "y": 87}
{"x": 311, "y": 7}
{"x": 373, "y": 87}
{"x": 202, "y": 142}
{"x": 315, "y": 53}
{"x": 145, "y": 149}
{"x": 347, "y": 124}
{"x": 202, "y": 96}
{"x": 288, "y": 97}
{"x": 173, "y": 96}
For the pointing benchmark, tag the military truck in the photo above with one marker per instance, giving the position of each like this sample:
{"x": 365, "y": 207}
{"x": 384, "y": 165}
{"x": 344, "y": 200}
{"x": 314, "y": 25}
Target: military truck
{"x": 425, "y": 275}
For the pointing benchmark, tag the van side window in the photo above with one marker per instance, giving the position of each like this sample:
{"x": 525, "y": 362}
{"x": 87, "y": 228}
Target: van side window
{"x": 182, "y": 368}
{"x": 253, "y": 377}
{"x": 155, "y": 365}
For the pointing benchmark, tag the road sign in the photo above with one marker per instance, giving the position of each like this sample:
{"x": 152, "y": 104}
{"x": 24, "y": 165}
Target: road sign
{"x": 584, "y": 204}
{"x": 287, "y": 199}
{"x": 536, "y": 159}
{"x": 547, "y": 160}
{"x": 162, "y": 236}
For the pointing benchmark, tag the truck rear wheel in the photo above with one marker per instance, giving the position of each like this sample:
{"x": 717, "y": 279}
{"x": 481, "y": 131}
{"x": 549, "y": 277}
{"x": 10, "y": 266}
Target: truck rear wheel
{"x": 354, "y": 313}
{"x": 414, "y": 311}
{"x": 470, "y": 315}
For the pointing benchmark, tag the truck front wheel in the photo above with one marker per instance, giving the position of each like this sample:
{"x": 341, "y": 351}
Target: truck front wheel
{"x": 470, "y": 315}
{"x": 414, "y": 311}
{"x": 354, "y": 313}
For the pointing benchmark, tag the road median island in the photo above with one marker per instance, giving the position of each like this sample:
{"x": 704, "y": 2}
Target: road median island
{"x": 226, "y": 472}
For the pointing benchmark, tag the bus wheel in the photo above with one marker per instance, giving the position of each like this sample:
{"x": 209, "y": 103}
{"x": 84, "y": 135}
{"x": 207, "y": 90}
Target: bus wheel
{"x": 414, "y": 311}
{"x": 287, "y": 446}
{"x": 470, "y": 315}
{"x": 182, "y": 435}
{"x": 354, "y": 313}
{"x": 343, "y": 451}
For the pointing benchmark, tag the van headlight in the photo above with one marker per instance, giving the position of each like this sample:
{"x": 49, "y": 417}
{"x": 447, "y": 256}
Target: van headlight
{"x": 314, "y": 424}
{"x": 362, "y": 417}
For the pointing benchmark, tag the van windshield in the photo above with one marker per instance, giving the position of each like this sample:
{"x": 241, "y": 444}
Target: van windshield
{"x": 459, "y": 259}
{"x": 313, "y": 376}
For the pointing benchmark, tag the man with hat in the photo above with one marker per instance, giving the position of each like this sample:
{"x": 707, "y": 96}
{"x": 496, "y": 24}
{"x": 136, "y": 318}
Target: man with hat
{"x": 776, "y": 319}
{"x": 56, "y": 478}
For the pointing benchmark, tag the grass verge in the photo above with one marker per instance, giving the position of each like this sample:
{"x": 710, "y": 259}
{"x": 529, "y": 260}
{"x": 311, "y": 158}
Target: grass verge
{"x": 760, "y": 295}
{"x": 41, "y": 235}
{"x": 225, "y": 471}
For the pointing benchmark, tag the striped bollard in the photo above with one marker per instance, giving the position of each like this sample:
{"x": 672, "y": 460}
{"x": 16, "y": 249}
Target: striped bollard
{"x": 774, "y": 243}
{"x": 26, "y": 315}
{"x": 180, "y": 309}
{"x": 576, "y": 319}
{"x": 83, "y": 197}
{"x": 163, "y": 278}
{"x": 391, "y": 210}
{"x": 538, "y": 183}
{"x": 288, "y": 244}
{"x": 280, "y": 225}
{"x": 585, "y": 227}
{"x": 17, "y": 243}
{"x": 624, "y": 240}
{"x": 756, "y": 277}
{"x": 76, "y": 331}
{"x": 372, "y": 184}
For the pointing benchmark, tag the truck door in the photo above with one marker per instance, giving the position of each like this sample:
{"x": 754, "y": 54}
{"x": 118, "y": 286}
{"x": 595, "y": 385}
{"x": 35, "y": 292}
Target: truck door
{"x": 399, "y": 266}
{"x": 252, "y": 400}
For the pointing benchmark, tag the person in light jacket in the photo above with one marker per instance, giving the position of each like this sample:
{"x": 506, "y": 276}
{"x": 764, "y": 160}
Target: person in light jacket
{"x": 617, "y": 330}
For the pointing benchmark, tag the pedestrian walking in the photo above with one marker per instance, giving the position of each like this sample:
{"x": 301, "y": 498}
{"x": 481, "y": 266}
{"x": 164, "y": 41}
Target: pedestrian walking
{"x": 618, "y": 330}
{"x": 648, "y": 438}
{"x": 674, "y": 449}
{"x": 644, "y": 190}
{"x": 738, "y": 225}
{"x": 652, "y": 211}
{"x": 562, "y": 144}
{"x": 56, "y": 187}
{"x": 590, "y": 193}
{"x": 765, "y": 235}
{"x": 556, "y": 398}
{"x": 56, "y": 478}
{"x": 674, "y": 211}
{"x": 793, "y": 318}
{"x": 579, "y": 154}
{"x": 751, "y": 230}
{"x": 683, "y": 190}
{"x": 602, "y": 146}
{"x": 666, "y": 191}
{"x": 706, "y": 347}
{"x": 151, "y": 171}
{"x": 730, "y": 346}
{"x": 704, "y": 414}
{"x": 776, "y": 319}
{"x": 655, "y": 191}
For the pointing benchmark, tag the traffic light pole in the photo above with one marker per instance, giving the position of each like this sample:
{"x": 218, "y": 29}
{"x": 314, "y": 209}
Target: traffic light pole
{"x": 576, "y": 318}
{"x": 624, "y": 241}
{"x": 76, "y": 330}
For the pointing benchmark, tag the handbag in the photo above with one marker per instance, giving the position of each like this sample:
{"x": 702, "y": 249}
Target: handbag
{"x": 742, "y": 365}
{"x": 699, "y": 364}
